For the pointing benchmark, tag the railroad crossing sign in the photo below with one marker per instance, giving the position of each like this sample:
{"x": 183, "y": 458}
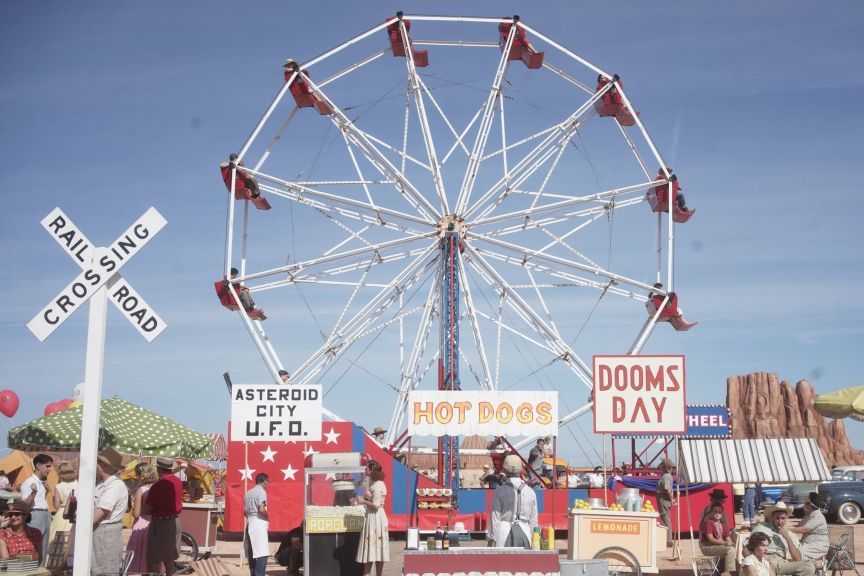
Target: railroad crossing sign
{"x": 100, "y": 267}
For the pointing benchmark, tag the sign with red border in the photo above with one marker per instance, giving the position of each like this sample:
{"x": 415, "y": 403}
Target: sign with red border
{"x": 639, "y": 395}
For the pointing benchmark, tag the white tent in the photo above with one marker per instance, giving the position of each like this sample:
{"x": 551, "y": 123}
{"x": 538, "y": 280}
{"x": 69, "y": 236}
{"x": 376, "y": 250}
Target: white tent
{"x": 744, "y": 461}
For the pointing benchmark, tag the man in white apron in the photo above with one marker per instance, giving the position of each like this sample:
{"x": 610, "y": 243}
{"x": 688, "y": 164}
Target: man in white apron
{"x": 514, "y": 509}
{"x": 257, "y": 543}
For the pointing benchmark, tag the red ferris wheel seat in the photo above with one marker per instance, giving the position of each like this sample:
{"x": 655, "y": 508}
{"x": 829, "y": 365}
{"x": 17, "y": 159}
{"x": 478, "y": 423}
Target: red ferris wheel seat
{"x": 420, "y": 57}
{"x": 670, "y": 312}
{"x": 242, "y": 191}
{"x": 520, "y": 49}
{"x": 612, "y": 104}
{"x": 226, "y": 298}
{"x": 303, "y": 96}
{"x": 657, "y": 201}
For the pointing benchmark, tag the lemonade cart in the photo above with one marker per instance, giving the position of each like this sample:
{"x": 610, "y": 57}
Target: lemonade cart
{"x": 634, "y": 532}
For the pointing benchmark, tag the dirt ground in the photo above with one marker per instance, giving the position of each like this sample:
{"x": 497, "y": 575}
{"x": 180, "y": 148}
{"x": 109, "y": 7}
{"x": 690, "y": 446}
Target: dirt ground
{"x": 229, "y": 553}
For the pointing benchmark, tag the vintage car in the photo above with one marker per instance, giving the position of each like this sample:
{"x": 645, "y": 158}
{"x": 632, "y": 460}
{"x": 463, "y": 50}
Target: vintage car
{"x": 843, "y": 500}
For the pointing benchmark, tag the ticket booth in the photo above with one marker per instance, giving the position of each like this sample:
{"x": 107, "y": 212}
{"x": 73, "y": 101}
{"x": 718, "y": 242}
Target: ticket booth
{"x": 331, "y": 523}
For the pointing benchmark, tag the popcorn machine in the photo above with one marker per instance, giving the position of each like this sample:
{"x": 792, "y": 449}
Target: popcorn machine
{"x": 332, "y": 524}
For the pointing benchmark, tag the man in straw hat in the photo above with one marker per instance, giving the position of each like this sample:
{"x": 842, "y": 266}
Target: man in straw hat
{"x": 784, "y": 554}
{"x": 164, "y": 504}
{"x": 665, "y": 495}
{"x": 111, "y": 501}
{"x": 378, "y": 435}
{"x": 514, "y": 509}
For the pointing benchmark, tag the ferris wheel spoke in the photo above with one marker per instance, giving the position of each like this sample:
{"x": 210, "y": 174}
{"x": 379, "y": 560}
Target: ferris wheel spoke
{"x": 558, "y": 136}
{"x": 530, "y": 254}
{"x": 572, "y": 280}
{"x": 363, "y": 263}
{"x": 349, "y": 207}
{"x": 535, "y": 322}
{"x": 460, "y": 139}
{"x": 409, "y": 376}
{"x": 483, "y": 130}
{"x": 417, "y": 93}
{"x": 590, "y": 214}
{"x": 488, "y": 383}
{"x": 376, "y": 306}
{"x": 375, "y": 249}
{"x": 561, "y": 205}
{"x": 458, "y": 142}
{"x": 377, "y": 158}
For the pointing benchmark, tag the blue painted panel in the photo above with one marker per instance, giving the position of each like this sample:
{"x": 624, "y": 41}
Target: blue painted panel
{"x": 472, "y": 500}
{"x": 358, "y": 439}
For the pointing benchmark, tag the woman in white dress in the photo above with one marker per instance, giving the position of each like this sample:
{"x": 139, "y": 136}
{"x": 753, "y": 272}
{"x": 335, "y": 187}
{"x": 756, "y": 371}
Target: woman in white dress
{"x": 756, "y": 563}
{"x": 374, "y": 545}
{"x": 62, "y": 492}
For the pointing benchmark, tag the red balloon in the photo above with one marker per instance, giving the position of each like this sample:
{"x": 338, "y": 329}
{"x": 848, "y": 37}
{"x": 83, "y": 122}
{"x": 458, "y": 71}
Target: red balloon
{"x": 64, "y": 404}
{"x": 52, "y": 408}
{"x": 8, "y": 403}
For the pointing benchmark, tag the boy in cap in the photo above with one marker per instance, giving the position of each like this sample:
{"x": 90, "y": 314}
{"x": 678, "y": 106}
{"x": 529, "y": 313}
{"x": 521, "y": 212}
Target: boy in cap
{"x": 164, "y": 503}
{"x": 34, "y": 492}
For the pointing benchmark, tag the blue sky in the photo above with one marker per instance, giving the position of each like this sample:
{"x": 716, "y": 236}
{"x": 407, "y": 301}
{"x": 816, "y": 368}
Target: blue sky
{"x": 110, "y": 108}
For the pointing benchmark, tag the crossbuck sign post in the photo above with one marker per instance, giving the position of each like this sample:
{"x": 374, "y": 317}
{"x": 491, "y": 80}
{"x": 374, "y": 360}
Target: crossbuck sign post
{"x": 99, "y": 277}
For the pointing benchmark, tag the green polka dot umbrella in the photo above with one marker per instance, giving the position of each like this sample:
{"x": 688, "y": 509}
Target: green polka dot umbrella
{"x": 123, "y": 426}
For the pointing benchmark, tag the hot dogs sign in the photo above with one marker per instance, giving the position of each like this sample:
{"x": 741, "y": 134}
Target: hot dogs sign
{"x": 494, "y": 413}
{"x": 639, "y": 394}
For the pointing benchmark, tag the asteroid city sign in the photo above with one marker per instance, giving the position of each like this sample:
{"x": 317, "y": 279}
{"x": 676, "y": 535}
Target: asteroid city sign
{"x": 100, "y": 267}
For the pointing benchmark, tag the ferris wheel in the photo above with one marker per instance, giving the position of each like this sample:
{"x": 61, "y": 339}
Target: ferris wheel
{"x": 451, "y": 203}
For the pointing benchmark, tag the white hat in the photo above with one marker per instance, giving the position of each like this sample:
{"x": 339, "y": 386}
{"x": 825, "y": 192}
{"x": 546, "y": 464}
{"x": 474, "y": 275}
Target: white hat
{"x": 778, "y": 506}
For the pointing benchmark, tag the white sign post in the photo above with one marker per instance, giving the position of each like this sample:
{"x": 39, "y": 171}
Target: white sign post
{"x": 98, "y": 279}
{"x": 639, "y": 395}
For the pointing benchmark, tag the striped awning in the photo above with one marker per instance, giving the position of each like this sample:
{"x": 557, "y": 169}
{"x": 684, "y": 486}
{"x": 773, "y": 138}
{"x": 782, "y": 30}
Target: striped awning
{"x": 770, "y": 460}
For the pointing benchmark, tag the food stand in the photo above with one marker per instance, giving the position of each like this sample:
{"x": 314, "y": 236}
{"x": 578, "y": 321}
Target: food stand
{"x": 592, "y": 530}
{"x": 199, "y": 519}
{"x": 332, "y": 525}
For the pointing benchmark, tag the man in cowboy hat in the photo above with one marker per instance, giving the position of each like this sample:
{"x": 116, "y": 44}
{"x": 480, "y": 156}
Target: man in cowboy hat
{"x": 783, "y": 552}
{"x": 513, "y": 516}
{"x": 665, "y": 495}
{"x": 164, "y": 503}
{"x": 378, "y": 435}
{"x": 111, "y": 499}
{"x": 718, "y": 496}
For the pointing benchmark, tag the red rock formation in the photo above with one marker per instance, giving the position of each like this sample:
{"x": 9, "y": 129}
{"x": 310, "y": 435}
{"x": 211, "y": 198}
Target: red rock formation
{"x": 761, "y": 406}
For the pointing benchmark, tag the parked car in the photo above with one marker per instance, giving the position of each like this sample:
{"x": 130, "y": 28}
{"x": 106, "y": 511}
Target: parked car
{"x": 842, "y": 500}
{"x": 848, "y": 473}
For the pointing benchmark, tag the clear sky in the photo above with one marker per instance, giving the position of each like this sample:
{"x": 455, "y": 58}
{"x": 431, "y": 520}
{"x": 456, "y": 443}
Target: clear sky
{"x": 109, "y": 108}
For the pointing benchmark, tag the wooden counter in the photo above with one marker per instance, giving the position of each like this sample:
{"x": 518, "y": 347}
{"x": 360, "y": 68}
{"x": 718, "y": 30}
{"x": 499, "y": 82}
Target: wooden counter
{"x": 481, "y": 560}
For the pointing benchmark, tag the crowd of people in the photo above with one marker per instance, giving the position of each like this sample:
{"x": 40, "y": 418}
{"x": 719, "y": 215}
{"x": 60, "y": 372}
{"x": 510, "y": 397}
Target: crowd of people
{"x": 28, "y": 526}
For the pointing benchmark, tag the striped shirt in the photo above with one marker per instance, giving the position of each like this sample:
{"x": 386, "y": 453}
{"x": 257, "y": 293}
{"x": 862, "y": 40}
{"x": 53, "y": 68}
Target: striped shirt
{"x": 815, "y": 543}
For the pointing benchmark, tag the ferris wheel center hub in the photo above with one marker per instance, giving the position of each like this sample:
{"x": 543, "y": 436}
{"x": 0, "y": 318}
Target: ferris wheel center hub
{"x": 451, "y": 223}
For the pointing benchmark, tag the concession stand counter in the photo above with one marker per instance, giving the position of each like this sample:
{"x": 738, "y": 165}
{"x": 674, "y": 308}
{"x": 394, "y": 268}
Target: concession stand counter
{"x": 590, "y": 531}
{"x": 480, "y": 560}
{"x": 331, "y": 524}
